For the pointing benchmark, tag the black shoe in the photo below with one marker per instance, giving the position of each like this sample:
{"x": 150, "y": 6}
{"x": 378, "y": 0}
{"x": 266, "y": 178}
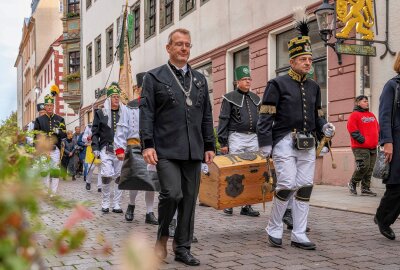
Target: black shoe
{"x": 118, "y": 211}
{"x": 187, "y": 258}
{"x": 288, "y": 219}
{"x": 84, "y": 179}
{"x": 105, "y": 210}
{"x": 87, "y": 186}
{"x": 99, "y": 190}
{"x": 367, "y": 192}
{"x": 195, "y": 240}
{"x": 249, "y": 211}
{"x": 129, "y": 212}
{"x": 151, "y": 219}
{"x": 73, "y": 178}
{"x": 385, "y": 230}
{"x": 352, "y": 188}
{"x": 274, "y": 242}
{"x": 306, "y": 246}
{"x": 228, "y": 211}
{"x": 172, "y": 227}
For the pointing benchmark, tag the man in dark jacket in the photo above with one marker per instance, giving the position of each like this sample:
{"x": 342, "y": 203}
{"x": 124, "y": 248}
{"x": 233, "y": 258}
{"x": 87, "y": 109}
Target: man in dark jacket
{"x": 364, "y": 131}
{"x": 103, "y": 132}
{"x": 176, "y": 132}
{"x": 237, "y": 123}
{"x": 53, "y": 126}
{"x": 290, "y": 116}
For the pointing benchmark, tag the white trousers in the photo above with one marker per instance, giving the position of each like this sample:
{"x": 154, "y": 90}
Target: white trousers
{"x": 51, "y": 182}
{"x": 294, "y": 169}
{"x": 242, "y": 142}
{"x": 90, "y": 175}
{"x": 149, "y": 198}
{"x": 110, "y": 167}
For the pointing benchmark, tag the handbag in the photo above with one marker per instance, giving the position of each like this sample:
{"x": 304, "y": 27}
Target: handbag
{"x": 381, "y": 168}
{"x": 134, "y": 173}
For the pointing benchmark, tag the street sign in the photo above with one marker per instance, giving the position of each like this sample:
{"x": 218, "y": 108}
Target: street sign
{"x": 100, "y": 92}
{"x": 355, "y": 49}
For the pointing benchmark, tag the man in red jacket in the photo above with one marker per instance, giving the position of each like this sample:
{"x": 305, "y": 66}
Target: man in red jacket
{"x": 364, "y": 129}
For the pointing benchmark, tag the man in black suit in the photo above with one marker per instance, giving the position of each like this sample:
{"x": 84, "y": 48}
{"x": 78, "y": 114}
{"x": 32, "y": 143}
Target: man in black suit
{"x": 176, "y": 132}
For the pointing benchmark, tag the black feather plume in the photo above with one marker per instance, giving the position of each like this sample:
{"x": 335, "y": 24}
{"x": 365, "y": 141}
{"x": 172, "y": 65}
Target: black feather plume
{"x": 302, "y": 27}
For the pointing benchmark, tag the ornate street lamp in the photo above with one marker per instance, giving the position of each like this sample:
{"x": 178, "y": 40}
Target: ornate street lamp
{"x": 325, "y": 14}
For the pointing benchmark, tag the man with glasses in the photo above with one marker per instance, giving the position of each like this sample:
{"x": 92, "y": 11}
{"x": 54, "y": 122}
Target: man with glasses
{"x": 238, "y": 122}
{"x": 176, "y": 134}
{"x": 290, "y": 118}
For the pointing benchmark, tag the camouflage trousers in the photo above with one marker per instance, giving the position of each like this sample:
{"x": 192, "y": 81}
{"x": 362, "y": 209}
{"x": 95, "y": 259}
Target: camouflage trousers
{"x": 365, "y": 161}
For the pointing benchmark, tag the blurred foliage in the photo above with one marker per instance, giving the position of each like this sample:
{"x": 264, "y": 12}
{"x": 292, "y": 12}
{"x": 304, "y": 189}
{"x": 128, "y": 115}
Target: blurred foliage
{"x": 21, "y": 193}
{"x": 217, "y": 145}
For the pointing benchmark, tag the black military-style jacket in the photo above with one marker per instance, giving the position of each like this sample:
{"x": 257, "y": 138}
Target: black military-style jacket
{"x": 49, "y": 125}
{"x": 290, "y": 102}
{"x": 239, "y": 112}
{"x": 167, "y": 123}
{"x": 102, "y": 134}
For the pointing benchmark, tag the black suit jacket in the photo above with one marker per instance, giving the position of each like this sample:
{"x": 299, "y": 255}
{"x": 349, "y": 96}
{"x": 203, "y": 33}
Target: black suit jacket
{"x": 102, "y": 134}
{"x": 175, "y": 130}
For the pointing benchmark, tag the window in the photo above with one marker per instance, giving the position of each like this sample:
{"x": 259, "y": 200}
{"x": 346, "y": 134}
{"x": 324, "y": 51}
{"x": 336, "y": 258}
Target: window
{"x": 89, "y": 61}
{"x": 240, "y": 58}
{"x": 185, "y": 6}
{"x": 110, "y": 44}
{"x": 74, "y": 62}
{"x": 73, "y": 6}
{"x": 97, "y": 61}
{"x": 318, "y": 71}
{"x": 88, "y": 3}
{"x": 206, "y": 70}
{"x": 136, "y": 24}
{"x": 150, "y": 20}
{"x": 166, "y": 13}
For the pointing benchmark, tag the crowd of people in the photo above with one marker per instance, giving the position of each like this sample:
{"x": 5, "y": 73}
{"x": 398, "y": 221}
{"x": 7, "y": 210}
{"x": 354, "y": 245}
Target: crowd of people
{"x": 158, "y": 143}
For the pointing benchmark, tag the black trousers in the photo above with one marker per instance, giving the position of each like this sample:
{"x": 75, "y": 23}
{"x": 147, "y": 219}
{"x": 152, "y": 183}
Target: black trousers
{"x": 389, "y": 207}
{"x": 179, "y": 182}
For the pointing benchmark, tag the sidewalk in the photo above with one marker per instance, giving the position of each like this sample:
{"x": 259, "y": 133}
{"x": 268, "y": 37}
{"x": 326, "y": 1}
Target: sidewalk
{"x": 339, "y": 198}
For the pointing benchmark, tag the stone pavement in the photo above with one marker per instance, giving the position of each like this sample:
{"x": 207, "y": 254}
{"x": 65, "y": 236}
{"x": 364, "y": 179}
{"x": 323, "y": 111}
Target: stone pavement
{"x": 345, "y": 239}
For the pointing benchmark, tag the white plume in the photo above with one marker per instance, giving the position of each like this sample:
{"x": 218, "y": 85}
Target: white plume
{"x": 299, "y": 14}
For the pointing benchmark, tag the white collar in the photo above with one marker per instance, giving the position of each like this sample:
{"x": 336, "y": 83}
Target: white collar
{"x": 184, "y": 68}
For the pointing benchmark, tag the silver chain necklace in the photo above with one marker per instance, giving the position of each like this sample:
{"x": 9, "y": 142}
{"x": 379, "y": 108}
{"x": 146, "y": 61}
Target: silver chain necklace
{"x": 186, "y": 93}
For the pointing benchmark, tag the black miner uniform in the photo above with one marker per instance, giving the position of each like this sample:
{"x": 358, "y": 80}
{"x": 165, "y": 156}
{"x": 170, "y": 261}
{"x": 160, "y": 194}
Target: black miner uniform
{"x": 239, "y": 113}
{"x": 48, "y": 124}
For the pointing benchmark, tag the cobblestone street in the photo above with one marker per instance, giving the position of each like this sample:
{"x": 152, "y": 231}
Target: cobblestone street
{"x": 345, "y": 240}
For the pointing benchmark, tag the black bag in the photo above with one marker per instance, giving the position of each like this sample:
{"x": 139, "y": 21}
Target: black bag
{"x": 134, "y": 173}
{"x": 381, "y": 167}
{"x": 303, "y": 141}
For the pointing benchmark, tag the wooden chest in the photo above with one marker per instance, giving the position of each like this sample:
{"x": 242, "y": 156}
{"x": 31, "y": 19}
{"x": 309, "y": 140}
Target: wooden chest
{"x": 234, "y": 180}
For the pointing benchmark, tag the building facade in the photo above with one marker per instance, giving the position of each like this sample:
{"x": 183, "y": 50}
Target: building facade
{"x": 38, "y": 33}
{"x": 49, "y": 73}
{"x": 72, "y": 53}
{"x": 226, "y": 34}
